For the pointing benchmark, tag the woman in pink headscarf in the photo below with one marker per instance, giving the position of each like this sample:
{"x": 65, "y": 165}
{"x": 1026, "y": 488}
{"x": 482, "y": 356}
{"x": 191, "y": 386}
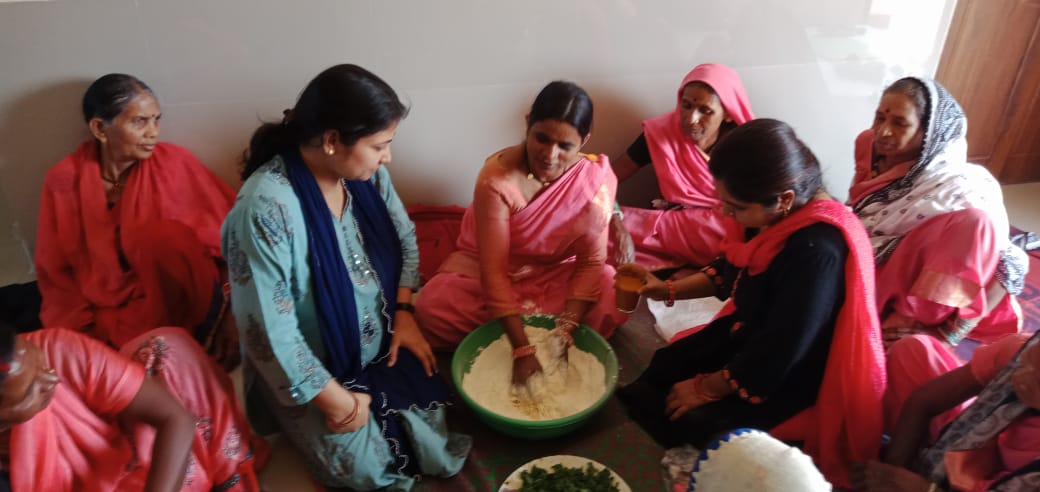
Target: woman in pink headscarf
{"x": 686, "y": 226}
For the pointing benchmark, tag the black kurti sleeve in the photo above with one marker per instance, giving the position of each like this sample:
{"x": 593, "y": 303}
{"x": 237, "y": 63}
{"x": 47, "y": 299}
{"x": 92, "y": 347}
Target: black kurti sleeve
{"x": 639, "y": 151}
{"x": 722, "y": 275}
{"x": 795, "y": 318}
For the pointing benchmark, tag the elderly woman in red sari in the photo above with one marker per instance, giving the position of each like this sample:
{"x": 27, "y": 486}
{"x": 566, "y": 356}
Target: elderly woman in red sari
{"x": 159, "y": 415}
{"x": 685, "y": 228}
{"x": 945, "y": 266}
{"x": 129, "y": 231}
{"x": 534, "y": 239}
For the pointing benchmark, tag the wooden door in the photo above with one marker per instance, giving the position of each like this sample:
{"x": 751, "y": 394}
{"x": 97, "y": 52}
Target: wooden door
{"x": 991, "y": 64}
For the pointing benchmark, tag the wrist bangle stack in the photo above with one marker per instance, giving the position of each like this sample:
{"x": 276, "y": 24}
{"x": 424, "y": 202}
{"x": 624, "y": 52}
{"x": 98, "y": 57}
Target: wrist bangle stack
{"x": 567, "y": 321}
{"x": 523, "y": 351}
{"x": 671, "y": 293}
{"x": 353, "y": 413}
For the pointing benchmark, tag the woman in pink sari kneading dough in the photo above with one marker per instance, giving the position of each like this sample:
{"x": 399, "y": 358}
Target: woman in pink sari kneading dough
{"x": 535, "y": 238}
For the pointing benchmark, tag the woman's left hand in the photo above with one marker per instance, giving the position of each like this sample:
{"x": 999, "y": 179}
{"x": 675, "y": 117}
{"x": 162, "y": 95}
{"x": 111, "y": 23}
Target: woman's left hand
{"x": 874, "y": 476}
{"x": 682, "y": 398}
{"x": 624, "y": 248}
{"x": 407, "y": 335}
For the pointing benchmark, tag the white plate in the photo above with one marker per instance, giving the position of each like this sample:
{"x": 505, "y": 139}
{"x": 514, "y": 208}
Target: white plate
{"x": 513, "y": 482}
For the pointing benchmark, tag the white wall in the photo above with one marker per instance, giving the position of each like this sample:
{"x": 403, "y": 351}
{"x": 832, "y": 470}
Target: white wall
{"x": 468, "y": 67}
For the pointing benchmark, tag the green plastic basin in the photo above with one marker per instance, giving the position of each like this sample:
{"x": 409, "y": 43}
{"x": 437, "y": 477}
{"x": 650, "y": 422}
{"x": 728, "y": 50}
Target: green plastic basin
{"x": 585, "y": 338}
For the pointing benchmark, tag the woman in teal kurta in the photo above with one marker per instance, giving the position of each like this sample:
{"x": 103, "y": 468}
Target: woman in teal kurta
{"x": 387, "y": 427}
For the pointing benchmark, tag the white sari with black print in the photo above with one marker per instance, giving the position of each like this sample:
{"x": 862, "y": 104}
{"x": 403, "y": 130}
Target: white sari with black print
{"x": 941, "y": 181}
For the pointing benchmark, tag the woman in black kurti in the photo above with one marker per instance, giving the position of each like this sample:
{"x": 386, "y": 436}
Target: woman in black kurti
{"x": 797, "y": 273}
{"x": 775, "y": 344}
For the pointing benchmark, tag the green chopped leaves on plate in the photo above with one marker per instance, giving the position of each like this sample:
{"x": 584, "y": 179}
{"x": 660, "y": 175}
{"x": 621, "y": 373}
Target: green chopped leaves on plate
{"x": 567, "y": 479}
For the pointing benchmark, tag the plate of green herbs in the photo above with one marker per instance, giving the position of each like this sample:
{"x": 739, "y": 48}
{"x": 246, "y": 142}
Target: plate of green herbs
{"x": 564, "y": 473}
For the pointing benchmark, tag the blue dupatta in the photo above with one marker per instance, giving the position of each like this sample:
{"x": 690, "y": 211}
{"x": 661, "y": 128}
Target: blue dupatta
{"x": 393, "y": 389}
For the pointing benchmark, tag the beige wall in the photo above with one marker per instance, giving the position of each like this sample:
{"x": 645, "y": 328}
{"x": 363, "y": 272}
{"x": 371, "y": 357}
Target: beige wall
{"x": 468, "y": 68}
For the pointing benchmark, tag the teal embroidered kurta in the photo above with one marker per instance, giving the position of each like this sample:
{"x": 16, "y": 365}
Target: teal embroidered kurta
{"x": 265, "y": 244}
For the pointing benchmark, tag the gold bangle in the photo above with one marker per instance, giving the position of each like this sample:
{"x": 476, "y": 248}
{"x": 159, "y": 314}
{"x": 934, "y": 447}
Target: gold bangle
{"x": 353, "y": 413}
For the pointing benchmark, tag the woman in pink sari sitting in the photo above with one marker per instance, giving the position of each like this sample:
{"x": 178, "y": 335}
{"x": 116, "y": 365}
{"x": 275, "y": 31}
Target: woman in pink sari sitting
{"x": 945, "y": 266}
{"x": 75, "y": 415}
{"x": 535, "y": 238}
{"x": 686, "y": 227}
{"x": 992, "y": 444}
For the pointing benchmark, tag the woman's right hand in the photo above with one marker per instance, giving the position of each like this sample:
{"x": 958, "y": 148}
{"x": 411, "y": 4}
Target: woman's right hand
{"x": 338, "y": 404}
{"x": 334, "y": 421}
{"x": 525, "y": 367}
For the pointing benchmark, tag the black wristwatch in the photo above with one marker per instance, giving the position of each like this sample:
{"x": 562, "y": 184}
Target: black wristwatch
{"x": 406, "y": 306}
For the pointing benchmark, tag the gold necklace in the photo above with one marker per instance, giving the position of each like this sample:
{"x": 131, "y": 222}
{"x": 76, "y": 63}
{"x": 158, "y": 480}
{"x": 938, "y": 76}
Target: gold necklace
{"x": 532, "y": 177}
{"x": 530, "y": 172}
{"x": 114, "y": 182}
{"x": 119, "y": 181}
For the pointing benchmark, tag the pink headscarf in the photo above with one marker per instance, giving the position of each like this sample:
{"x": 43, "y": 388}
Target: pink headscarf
{"x": 681, "y": 166}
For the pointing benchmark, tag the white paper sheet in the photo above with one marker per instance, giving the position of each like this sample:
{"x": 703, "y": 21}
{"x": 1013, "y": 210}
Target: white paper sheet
{"x": 684, "y": 314}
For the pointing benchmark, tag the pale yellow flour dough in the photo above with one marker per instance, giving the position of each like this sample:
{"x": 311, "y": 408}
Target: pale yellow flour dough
{"x": 552, "y": 394}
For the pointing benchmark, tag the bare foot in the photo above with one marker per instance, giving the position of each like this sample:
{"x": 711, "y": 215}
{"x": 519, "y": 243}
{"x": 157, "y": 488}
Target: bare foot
{"x": 874, "y": 476}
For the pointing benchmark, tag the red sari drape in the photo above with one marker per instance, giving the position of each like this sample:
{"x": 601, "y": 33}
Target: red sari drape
{"x": 150, "y": 260}
{"x": 845, "y": 425}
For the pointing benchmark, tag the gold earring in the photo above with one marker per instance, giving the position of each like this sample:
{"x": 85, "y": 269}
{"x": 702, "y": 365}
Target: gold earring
{"x": 330, "y": 151}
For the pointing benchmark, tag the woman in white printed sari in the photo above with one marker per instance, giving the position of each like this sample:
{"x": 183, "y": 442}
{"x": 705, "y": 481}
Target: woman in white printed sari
{"x": 945, "y": 266}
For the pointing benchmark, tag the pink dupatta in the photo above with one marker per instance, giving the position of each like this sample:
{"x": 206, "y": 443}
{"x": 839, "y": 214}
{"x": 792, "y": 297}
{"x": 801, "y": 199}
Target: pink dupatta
{"x": 681, "y": 166}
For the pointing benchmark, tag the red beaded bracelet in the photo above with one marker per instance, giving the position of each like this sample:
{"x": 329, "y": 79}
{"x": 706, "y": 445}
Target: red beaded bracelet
{"x": 671, "y": 293}
{"x": 523, "y": 351}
